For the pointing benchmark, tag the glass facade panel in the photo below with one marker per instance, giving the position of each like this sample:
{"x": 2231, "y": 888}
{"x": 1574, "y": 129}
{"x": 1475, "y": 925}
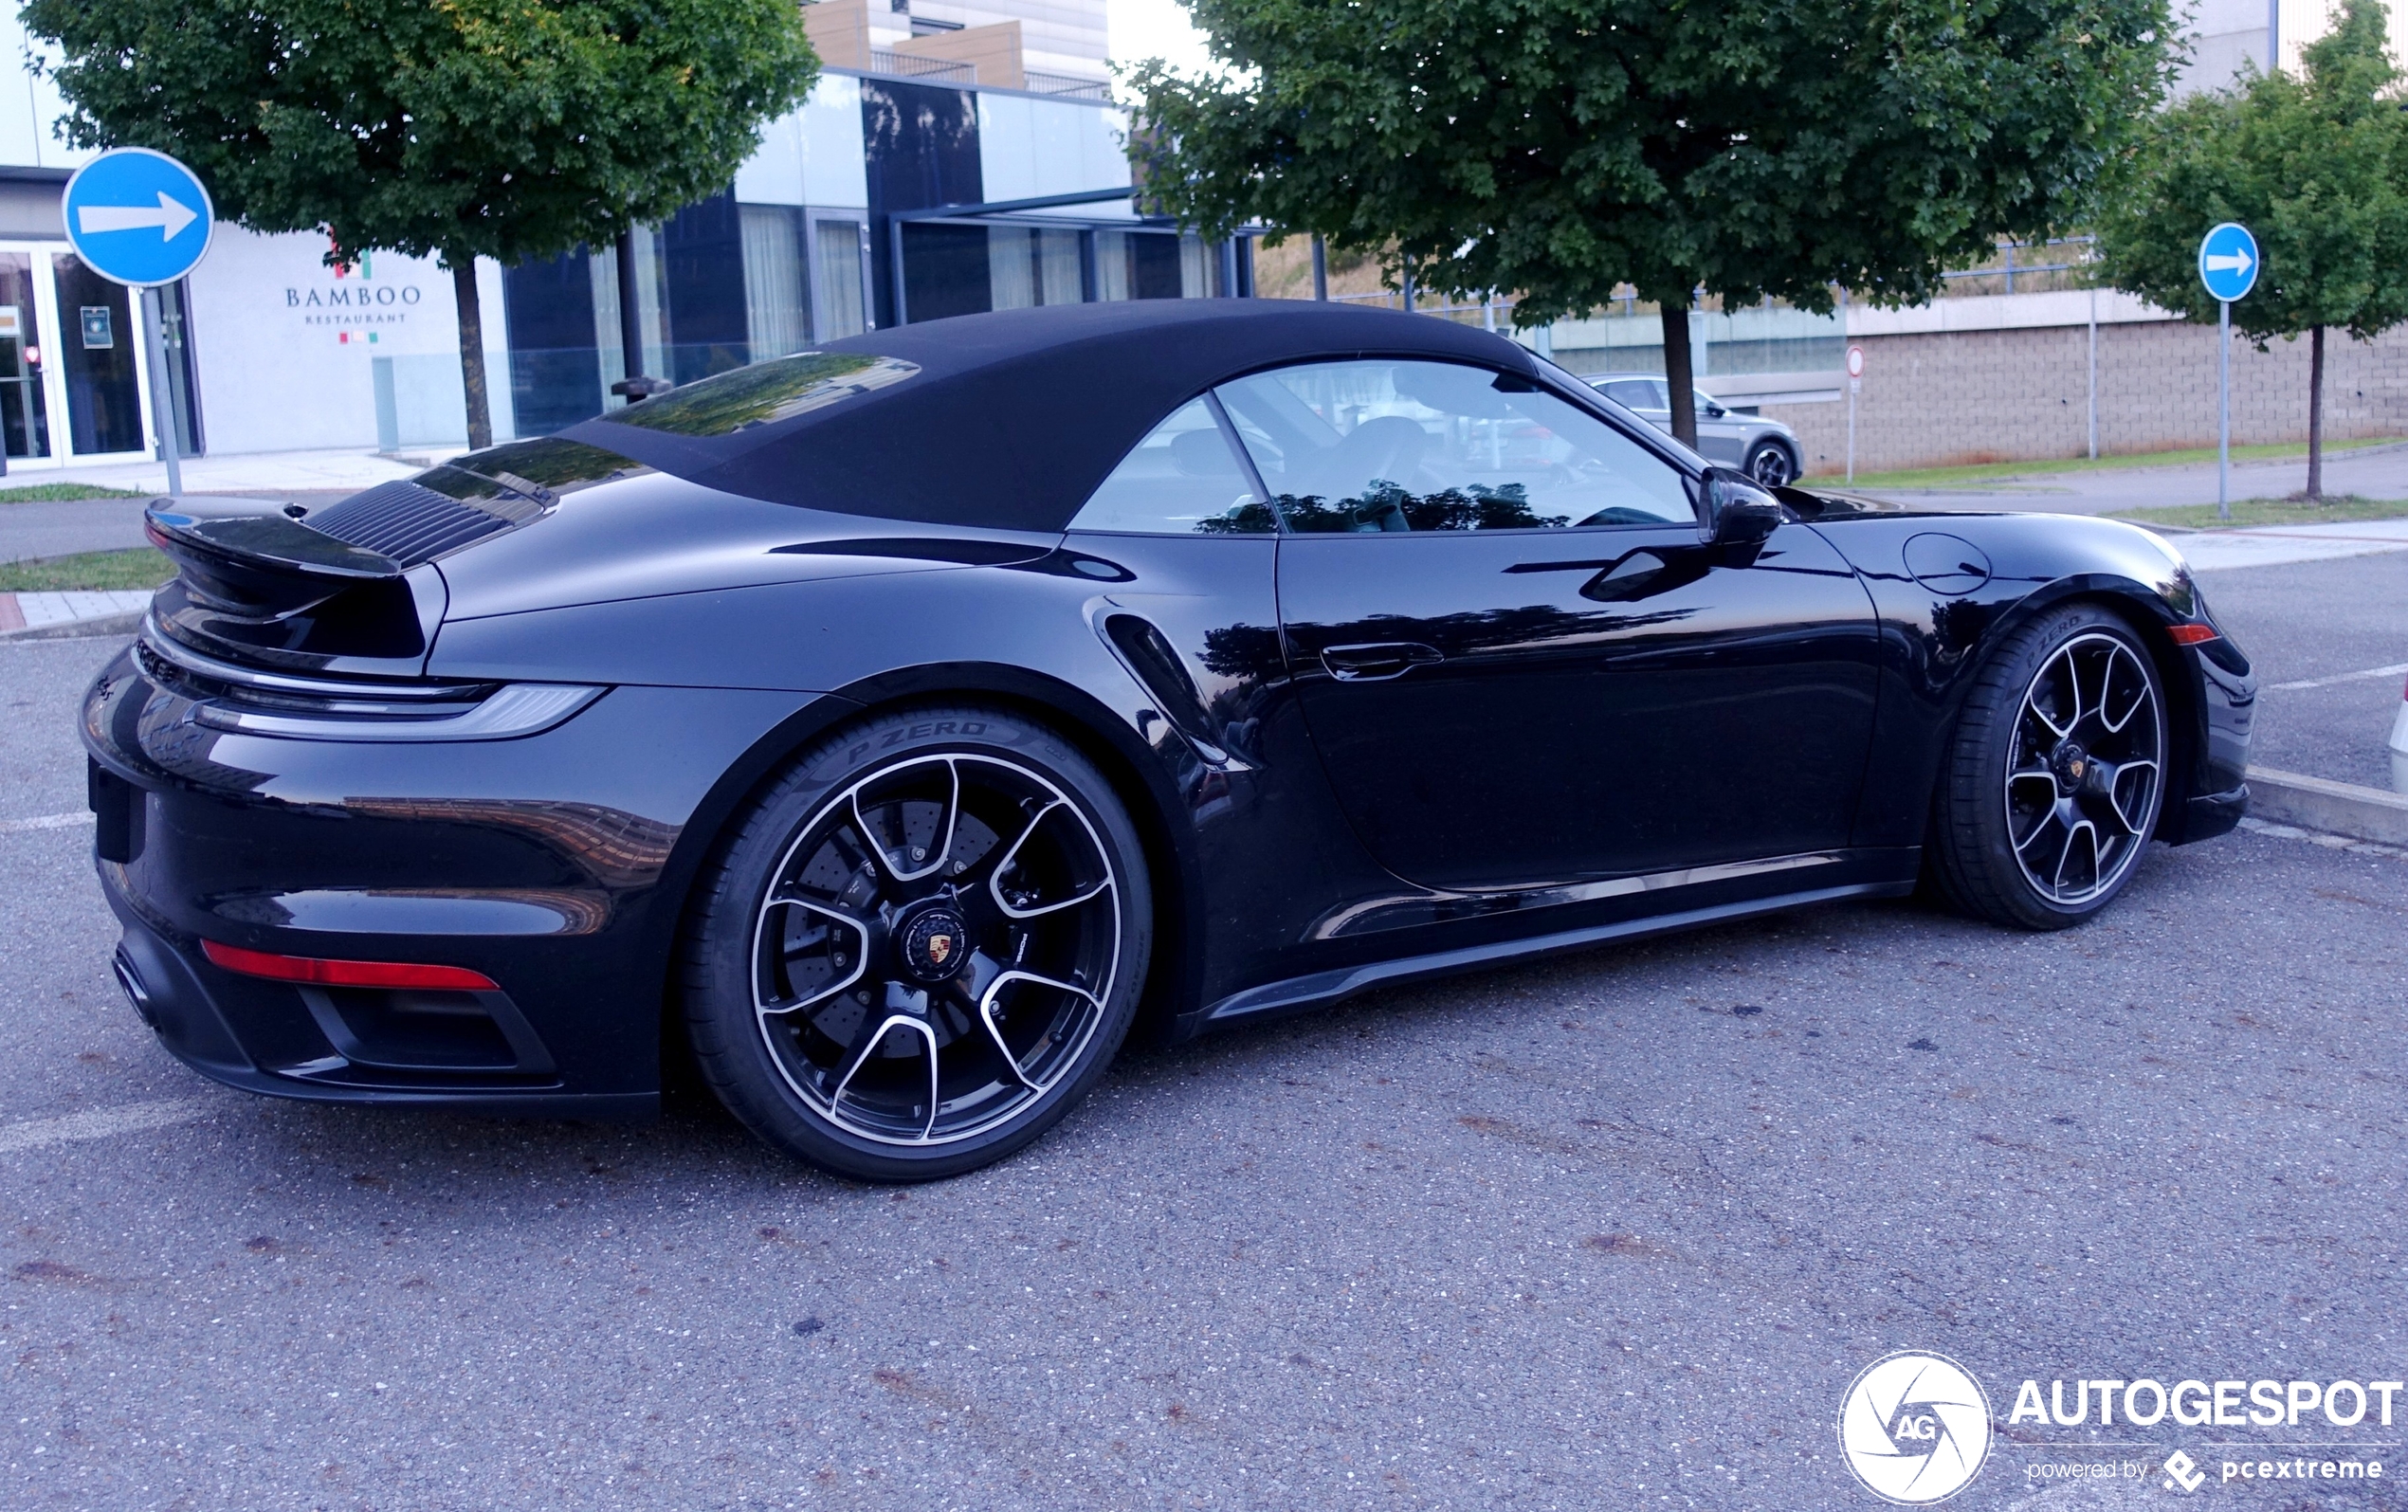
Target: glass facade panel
{"x": 25, "y": 415}
{"x": 1011, "y": 269}
{"x": 843, "y": 312}
{"x": 105, "y": 396}
{"x": 776, "y": 304}
{"x": 1032, "y": 266}
{"x": 702, "y": 263}
{"x": 556, "y": 368}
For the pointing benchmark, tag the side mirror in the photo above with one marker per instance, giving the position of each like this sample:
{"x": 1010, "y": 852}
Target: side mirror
{"x": 1736, "y": 512}
{"x": 1712, "y": 410}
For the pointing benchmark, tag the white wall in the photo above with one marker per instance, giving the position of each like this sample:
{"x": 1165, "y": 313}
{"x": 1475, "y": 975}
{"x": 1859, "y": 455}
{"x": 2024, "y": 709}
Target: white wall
{"x": 814, "y": 156}
{"x": 269, "y": 322}
{"x": 29, "y": 107}
{"x": 1031, "y": 148}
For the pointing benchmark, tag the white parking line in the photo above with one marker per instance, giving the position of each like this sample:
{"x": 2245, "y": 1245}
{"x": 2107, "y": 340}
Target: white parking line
{"x": 2393, "y": 670}
{"x": 129, "y": 1117}
{"x": 48, "y": 821}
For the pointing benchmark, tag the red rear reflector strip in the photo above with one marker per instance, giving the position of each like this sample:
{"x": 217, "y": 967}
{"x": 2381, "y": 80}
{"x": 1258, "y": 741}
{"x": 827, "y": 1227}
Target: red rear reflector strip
{"x": 344, "y": 973}
{"x": 2191, "y": 634}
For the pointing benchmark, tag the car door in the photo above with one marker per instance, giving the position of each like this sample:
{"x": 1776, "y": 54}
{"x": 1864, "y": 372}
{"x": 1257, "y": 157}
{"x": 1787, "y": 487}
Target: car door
{"x": 1517, "y": 659}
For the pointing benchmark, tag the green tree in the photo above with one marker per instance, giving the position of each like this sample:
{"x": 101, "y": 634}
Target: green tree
{"x": 1558, "y": 148}
{"x": 2316, "y": 167}
{"x": 509, "y": 129}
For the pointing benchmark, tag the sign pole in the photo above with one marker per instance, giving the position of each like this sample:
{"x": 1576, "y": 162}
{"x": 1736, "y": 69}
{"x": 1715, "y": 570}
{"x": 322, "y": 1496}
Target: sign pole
{"x": 1852, "y": 385}
{"x": 2223, "y": 408}
{"x": 142, "y": 219}
{"x": 1855, "y": 385}
{"x": 162, "y": 402}
{"x": 2228, "y": 266}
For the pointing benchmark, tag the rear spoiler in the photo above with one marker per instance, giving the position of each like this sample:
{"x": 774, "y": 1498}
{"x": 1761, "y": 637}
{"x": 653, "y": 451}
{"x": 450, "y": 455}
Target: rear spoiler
{"x": 249, "y": 558}
{"x": 253, "y": 583}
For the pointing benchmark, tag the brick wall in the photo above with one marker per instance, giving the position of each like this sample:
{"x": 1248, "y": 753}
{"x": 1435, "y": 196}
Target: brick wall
{"x": 1932, "y": 400}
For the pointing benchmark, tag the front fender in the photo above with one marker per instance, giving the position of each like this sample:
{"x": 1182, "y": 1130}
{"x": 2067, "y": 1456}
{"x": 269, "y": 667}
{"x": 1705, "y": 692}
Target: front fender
{"x": 1938, "y": 629}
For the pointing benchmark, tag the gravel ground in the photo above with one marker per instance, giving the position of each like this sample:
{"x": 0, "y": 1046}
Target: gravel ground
{"x": 1617, "y": 1230}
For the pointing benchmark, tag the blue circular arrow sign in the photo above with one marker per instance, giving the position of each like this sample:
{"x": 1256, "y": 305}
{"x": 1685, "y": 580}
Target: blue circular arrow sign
{"x": 2227, "y": 261}
{"x": 138, "y": 217}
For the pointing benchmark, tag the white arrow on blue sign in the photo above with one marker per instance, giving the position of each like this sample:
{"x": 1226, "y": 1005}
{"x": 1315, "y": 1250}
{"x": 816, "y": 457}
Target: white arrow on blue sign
{"x": 138, "y": 217}
{"x": 2227, "y": 261}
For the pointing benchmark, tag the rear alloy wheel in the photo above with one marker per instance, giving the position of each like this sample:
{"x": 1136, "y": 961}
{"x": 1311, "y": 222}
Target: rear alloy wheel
{"x": 913, "y": 963}
{"x": 1771, "y": 465}
{"x": 2057, "y": 775}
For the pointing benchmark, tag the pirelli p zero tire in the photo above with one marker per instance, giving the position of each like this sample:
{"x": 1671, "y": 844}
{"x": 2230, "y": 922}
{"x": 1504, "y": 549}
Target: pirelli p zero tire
{"x": 921, "y": 947}
{"x": 2052, "y": 784}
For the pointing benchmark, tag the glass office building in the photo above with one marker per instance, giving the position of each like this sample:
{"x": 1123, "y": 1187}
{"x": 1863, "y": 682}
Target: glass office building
{"x": 883, "y": 200}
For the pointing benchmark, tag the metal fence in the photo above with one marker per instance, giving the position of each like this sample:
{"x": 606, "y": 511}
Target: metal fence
{"x": 911, "y": 65}
{"x": 1068, "y": 87}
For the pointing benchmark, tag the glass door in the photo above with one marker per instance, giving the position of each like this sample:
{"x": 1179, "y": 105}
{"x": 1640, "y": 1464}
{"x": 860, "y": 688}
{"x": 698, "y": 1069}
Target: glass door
{"x": 840, "y": 276}
{"x": 101, "y": 361}
{"x": 24, "y": 410}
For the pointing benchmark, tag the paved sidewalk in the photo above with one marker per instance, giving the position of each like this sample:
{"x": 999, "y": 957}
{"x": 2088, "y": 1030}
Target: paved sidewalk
{"x": 272, "y": 473}
{"x": 2370, "y": 472}
{"x": 36, "y": 611}
{"x": 2210, "y": 550}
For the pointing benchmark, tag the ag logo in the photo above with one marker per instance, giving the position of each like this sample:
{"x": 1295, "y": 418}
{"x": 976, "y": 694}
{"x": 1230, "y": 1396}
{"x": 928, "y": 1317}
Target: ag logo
{"x": 1915, "y": 1428}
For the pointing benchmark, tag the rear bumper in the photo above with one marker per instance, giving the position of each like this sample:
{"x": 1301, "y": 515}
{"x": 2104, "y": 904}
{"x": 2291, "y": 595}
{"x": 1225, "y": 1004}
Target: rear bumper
{"x": 554, "y": 864}
{"x": 260, "y": 1037}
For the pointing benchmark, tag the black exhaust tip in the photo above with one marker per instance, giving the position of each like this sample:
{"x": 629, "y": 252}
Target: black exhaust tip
{"x": 131, "y": 981}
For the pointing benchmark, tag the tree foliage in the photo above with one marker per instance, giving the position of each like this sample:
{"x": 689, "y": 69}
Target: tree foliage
{"x": 1557, "y": 148}
{"x": 509, "y": 129}
{"x": 2314, "y": 164}
{"x": 2316, "y": 167}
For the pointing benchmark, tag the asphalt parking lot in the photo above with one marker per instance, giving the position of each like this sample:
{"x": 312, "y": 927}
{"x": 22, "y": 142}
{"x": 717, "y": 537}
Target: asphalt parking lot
{"x": 1614, "y": 1231}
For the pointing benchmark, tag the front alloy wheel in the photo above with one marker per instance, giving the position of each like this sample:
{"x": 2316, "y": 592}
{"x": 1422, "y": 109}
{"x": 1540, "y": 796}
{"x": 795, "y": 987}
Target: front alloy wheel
{"x": 2052, "y": 784}
{"x": 939, "y": 948}
{"x": 2082, "y": 783}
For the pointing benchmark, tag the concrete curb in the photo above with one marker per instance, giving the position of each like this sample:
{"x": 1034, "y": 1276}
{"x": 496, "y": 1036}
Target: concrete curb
{"x": 78, "y": 630}
{"x": 2336, "y": 808}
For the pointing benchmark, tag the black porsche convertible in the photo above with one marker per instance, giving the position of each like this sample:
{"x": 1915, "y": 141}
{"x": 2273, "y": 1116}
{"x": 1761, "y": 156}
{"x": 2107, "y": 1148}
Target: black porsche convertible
{"x": 901, "y": 724}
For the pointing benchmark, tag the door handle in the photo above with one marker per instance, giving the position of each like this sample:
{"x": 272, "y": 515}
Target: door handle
{"x": 1376, "y": 662}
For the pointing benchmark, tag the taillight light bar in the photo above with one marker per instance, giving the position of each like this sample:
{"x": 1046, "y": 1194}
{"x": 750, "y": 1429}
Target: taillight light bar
{"x": 317, "y": 973}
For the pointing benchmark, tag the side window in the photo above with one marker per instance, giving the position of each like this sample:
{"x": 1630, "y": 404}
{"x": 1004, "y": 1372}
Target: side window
{"x": 1633, "y": 393}
{"x": 1435, "y": 445}
{"x": 1182, "y": 479}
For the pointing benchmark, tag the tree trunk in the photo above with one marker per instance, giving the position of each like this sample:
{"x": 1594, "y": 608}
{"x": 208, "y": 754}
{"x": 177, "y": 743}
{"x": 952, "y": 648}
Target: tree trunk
{"x": 472, "y": 352}
{"x": 2315, "y": 411}
{"x": 1676, "y": 372}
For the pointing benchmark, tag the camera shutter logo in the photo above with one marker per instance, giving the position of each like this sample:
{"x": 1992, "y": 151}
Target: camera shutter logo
{"x": 1915, "y": 1428}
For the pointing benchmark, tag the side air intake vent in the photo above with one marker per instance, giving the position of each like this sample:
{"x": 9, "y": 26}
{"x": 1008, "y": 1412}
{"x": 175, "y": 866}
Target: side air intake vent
{"x": 412, "y": 524}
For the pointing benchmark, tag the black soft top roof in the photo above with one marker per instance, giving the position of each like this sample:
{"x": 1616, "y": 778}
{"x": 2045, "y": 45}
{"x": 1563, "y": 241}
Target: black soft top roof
{"x": 1014, "y": 417}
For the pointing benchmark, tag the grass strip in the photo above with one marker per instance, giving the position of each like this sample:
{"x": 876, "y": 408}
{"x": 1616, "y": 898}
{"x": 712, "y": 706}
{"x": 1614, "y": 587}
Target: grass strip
{"x": 63, "y": 493}
{"x": 2271, "y": 512}
{"x": 138, "y": 567}
{"x": 2001, "y": 471}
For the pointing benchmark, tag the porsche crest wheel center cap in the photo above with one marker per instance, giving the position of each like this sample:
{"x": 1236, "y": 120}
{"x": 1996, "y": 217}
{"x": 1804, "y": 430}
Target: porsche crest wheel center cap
{"x": 935, "y": 944}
